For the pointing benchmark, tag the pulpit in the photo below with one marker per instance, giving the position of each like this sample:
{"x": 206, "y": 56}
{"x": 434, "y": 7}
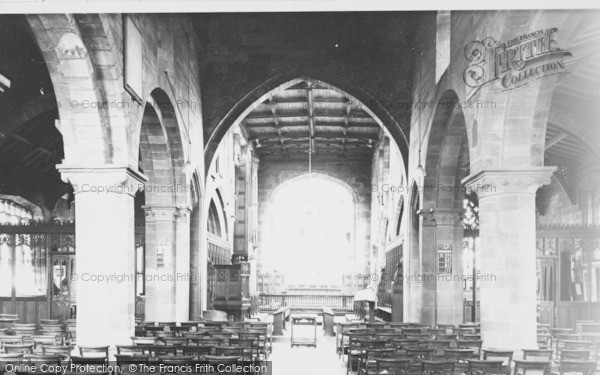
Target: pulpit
{"x": 232, "y": 289}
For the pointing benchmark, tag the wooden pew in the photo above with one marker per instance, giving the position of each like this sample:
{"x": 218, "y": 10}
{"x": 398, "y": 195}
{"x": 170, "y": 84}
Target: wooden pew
{"x": 328, "y": 321}
{"x": 279, "y": 318}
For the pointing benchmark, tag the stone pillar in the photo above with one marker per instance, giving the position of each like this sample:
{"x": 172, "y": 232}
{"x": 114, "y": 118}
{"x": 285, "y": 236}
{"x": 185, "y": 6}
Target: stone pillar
{"x": 160, "y": 263}
{"x": 508, "y": 265}
{"x": 412, "y": 285}
{"x": 104, "y": 236}
{"x": 182, "y": 264}
{"x": 428, "y": 267}
{"x": 449, "y": 286}
{"x": 195, "y": 245}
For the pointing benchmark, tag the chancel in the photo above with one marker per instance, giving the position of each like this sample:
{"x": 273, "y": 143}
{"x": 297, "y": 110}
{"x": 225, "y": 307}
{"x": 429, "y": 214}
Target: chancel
{"x": 361, "y": 192}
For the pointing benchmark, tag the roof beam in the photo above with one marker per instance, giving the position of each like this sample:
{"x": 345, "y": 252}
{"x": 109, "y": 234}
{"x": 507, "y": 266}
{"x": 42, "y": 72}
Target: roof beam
{"x": 554, "y": 140}
{"x": 273, "y": 108}
{"x": 311, "y": 118}
{"x": 340, "y": 115}
{"x": 322, "y": 135}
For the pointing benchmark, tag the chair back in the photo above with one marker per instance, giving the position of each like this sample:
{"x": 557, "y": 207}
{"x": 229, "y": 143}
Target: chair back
{"x": 124, "y": 360}
{"x": 437, "y": 367}
{"x": 143, "y": 340}
{"x": 64, "y": 351}
{"x": 130, "y": 350}
{"x": 392, "y": 366}
{"x": 505, "y": 356}
{"x": 470, "y": 344}
{"x": 581, "y": 367}
{"x": 574, "y": 355}
{"x": 18, "y": 348}
{"x": 47, "y": 359}
{"x": 196, "y": 351}
{"x": 484, "y": 367}
{"x": 538, "y": 354}
{"x": 94, "y": 351}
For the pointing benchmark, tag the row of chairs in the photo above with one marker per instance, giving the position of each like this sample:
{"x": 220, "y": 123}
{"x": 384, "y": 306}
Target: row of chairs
{"x": 404, "y": 331}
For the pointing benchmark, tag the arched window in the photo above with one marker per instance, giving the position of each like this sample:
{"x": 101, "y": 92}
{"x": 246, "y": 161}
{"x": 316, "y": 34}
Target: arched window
{"x": 214, "y": 224}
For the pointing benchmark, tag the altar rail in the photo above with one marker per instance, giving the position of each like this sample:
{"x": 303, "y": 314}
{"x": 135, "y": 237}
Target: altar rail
{"x": 272, "y": 302}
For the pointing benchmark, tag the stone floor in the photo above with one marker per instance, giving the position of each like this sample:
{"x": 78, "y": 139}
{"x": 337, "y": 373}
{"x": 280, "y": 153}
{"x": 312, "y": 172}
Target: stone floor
{"x": 306, "y": 360}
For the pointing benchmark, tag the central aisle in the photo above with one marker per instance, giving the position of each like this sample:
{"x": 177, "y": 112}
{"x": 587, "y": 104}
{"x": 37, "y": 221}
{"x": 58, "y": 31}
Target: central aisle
{"x": 306, "y": 360}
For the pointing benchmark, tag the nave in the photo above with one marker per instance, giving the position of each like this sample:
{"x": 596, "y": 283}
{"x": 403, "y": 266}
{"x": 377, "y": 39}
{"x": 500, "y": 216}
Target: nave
{"x": 423, "y": 186}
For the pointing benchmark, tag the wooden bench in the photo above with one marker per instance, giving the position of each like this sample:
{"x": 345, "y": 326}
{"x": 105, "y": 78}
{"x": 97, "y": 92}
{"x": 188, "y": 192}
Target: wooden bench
{"x": 279, "y": 318}
{"x": 328, "y": 321}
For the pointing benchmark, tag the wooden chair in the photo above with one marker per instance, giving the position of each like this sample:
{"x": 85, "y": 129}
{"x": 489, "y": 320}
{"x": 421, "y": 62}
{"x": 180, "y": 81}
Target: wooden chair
{"x": 544, "y": 341}
{"x": 355, "y": 349}
{"x": 130, "y": 350}
{"x": 419, "y": 354}
{"x": 63, "y": 350}
{"x": 43, "y": 359}
{"x": 18, "y": 349}
{"x": 45, "y": 340}
{"x": 174, "y": 341}
{"x": 143, "y": 340}
{"x": 216, "y": 361}
{"x": 505, "y": 356}
{"x": 439, "y": 346}
{"x": 6, "y": 339}
{"x": 160, "y": 350}
{"x": 574, "y": 355}
{"x": 485, "y": 367}
{"x": 538, "y": 354}
{"x": 196, "y": 351}
{"x": 411, "y": 331}
{"x": 437, "y": 367}
{"x": 460, "y": 357}
{"x": 392, "y": 366}
{"x": 581, "y": 367}
{"x": 562, "y": 337}
{"x": 205, "y": 341}
{"x": 94, "y": 351}
{"x": 470, "y": 344}
{"x": 250, "y": 346}
{"x": 231, "y": 351}
{"x": 10, "y": 359}
{"x": 530, "y": 365}
{"x": 367, "y": 363}
{"x": 49, "y": 322}
{"x": 260, "y": 338}
{"x": 125, "y": 361}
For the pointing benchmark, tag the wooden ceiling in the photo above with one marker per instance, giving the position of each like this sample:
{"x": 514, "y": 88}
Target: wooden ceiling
{"x": 310, "y": 116}
{"x": 30, "y": 144}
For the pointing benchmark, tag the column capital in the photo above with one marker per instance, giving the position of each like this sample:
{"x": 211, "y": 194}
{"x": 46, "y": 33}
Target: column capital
{"x": 508, "y": 181}
{"x": 102, "y": 179}
{"x": 160, "y": 213}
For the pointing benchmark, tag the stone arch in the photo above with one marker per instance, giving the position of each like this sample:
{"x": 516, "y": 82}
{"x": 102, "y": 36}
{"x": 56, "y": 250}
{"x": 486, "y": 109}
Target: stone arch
{"x": 447, "y": 155}
{"x": 161, "y": 153}
{"x": 446, "y": 164}
{"x": 80, "y": 94}
{"x": 282, "y": 81}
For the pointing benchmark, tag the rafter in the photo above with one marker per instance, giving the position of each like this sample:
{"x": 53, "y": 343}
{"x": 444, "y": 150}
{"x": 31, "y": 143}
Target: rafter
{"x": 554, "y": 140}
{"x": 311, "y": 119}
